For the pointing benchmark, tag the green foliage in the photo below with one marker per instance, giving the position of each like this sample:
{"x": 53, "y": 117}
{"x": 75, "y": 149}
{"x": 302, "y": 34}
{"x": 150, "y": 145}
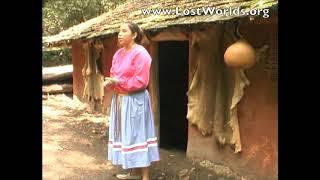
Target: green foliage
{"x": 59, "y": 15}
{"x": 56, "y": 58}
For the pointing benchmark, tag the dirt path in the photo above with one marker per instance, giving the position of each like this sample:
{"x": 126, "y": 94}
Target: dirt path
{"x": 74, "y": 147}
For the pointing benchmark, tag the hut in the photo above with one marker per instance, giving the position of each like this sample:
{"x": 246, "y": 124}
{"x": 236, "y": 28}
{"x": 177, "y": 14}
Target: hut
{"x": 201, "y": 106}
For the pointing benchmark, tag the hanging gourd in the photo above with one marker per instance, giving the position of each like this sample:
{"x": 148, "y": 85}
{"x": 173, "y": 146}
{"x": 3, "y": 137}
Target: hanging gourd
{"x": 240, "y": 54}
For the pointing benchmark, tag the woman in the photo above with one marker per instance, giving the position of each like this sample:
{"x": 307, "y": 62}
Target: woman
{"x": 132, "y": 138}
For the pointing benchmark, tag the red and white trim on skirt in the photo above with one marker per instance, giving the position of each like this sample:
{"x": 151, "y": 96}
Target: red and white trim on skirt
{"x": 151, "y": 142}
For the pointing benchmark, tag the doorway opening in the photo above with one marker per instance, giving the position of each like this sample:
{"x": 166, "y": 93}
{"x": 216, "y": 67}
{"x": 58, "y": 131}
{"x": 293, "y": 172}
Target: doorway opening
{"x": 173, "y": 86}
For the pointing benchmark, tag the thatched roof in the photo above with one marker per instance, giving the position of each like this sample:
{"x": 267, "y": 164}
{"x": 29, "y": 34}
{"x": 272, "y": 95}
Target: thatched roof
{"x": 108, "y": 23}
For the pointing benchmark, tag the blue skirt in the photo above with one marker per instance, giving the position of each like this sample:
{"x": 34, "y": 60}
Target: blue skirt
{"x": 132, "y": 138}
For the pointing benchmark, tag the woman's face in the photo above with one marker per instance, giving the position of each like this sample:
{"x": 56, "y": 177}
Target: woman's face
{"x": 125, "y": 36}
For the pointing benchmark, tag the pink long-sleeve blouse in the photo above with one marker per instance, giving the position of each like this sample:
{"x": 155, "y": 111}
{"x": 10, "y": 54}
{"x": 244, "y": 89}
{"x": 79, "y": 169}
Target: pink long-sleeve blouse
{"x": 131, "y": 68}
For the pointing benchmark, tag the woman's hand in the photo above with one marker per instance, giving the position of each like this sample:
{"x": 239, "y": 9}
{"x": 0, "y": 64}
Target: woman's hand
{"x": 109, "y": 81}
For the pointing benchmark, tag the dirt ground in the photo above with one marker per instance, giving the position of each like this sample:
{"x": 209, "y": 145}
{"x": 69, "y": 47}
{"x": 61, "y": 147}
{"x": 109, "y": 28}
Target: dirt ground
{"x": 75, "y": 147}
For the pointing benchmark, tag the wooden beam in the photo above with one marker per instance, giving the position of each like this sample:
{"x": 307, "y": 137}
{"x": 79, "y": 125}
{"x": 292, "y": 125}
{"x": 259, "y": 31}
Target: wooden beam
{"x": 170, "y": 36}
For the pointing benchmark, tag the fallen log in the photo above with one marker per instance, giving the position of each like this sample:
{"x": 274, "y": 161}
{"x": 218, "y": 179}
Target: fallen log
{"x": 57, "y": 88}
{"x": 57, "y": 73}
{"x": 44, "y": 97}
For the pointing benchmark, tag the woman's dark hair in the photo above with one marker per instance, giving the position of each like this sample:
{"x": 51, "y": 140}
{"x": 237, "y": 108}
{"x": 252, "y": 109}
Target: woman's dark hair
{"x": 135, "y": 29}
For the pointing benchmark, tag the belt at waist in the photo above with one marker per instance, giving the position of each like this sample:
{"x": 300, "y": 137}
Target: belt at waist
{"x": 130, "y": 93}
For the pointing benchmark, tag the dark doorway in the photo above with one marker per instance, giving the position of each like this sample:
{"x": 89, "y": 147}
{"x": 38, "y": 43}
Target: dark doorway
{"x": 173, "y": 86}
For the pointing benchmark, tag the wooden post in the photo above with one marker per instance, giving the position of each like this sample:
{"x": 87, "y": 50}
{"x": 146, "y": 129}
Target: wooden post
{"x": 110, "y": 47}
{"x": 154, "y": 86}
